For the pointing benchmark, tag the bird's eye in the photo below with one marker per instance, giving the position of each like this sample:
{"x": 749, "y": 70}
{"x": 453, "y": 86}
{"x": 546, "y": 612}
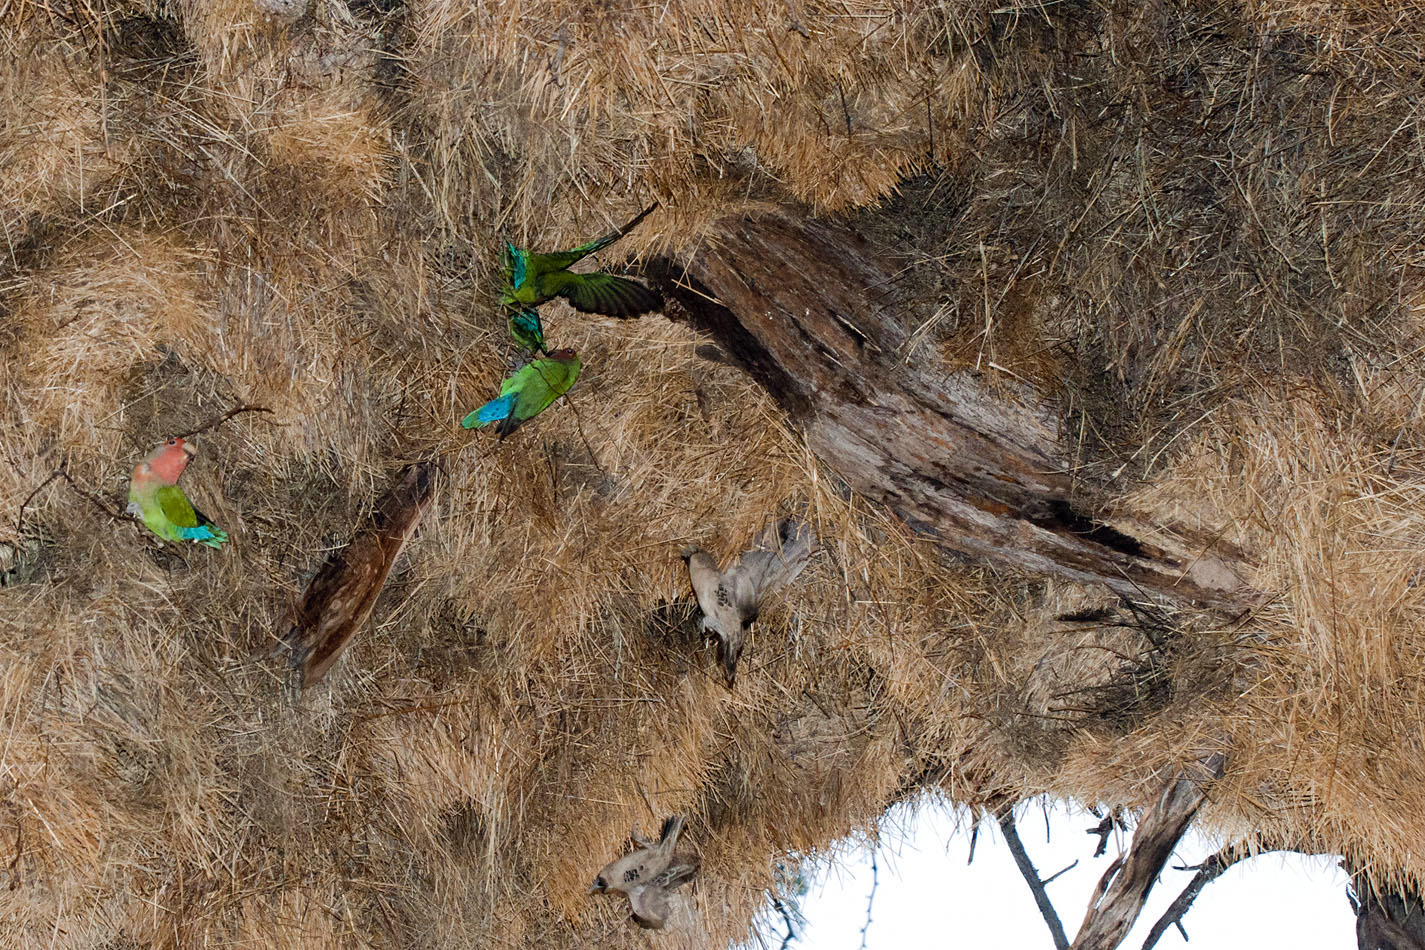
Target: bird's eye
{"x": 173, "y": 441}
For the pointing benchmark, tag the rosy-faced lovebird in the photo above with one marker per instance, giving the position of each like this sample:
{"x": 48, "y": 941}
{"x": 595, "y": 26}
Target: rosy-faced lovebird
{"x": 532, "y": 279}
{"x": 527, "y": 392}
{"x": 155, "y": 497}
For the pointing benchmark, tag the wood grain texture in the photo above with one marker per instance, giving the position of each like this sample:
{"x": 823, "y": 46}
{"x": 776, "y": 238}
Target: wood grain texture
{"x": 342, "y": 594}
{"x": 807, "y": 307}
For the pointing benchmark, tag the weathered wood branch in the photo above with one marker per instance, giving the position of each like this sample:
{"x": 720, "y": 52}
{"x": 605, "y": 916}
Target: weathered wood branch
{"x": 342, "y": 594}
{"x": 808, "y": 308}
{"x": 1124, "y": 887}
{"x": 1387, "y": 919}
{"x": 1031, "y": 877}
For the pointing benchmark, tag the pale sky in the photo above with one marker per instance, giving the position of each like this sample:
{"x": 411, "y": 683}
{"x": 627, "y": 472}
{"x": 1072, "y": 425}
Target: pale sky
{"x": 928, "y": 897}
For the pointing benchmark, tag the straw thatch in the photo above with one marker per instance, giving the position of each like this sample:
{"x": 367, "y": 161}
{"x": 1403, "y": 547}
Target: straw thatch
{"x": 1190, "y": 231}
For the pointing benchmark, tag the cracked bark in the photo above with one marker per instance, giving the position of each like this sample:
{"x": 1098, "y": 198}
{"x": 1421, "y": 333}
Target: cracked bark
{"x": 807, "y": 308}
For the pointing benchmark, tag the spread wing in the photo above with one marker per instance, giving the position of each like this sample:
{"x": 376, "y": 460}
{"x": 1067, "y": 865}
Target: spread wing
{"x": 778, "y": 556}
{"x": 649, "y": 905}
{"x": 603, "y": 293}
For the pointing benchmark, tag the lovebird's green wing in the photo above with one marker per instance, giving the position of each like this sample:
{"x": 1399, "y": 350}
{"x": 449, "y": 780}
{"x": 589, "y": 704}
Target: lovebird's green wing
{"x": 185, "y": 522}
{"x": 539, "y": 264}
{"x": 602, "y": 293}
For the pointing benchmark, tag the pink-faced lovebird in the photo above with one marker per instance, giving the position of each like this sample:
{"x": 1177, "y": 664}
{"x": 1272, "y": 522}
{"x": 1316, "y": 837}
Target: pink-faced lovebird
{"x": 527, "y": 392}
{"x": 155, "y": 497}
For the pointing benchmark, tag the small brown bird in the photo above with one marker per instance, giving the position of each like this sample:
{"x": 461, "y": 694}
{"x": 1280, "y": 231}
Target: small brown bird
{"x": 647, "y": 875}
{"x": 731, "y": 599}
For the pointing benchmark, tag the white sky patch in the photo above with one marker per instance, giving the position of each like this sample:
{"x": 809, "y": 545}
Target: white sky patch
{"x": 928, "y": 897}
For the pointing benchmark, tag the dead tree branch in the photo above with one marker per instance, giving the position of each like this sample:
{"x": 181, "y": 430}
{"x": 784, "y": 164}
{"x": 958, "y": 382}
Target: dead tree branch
{"x": 809, "y": 309}
{"x": 216, "y": 421}
{"x": 871, "y": 900}
{"x": 1123, "y": 890}
{"x": 342, "y": 594}
{"x": 1031, "y": 877}
{"x": 1207, "y": 872}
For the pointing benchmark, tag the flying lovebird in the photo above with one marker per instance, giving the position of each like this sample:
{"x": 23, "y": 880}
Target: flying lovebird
{"x": 527, "y": 392}
{"x": 532, "y": 279}
{"x": 646, "y": 875}
{"x": 732, "y": 599}
{"x": 155, "y": 497}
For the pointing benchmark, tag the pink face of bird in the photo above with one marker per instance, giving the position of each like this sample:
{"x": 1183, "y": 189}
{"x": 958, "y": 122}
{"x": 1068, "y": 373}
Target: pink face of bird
{"x": 167, "y": 461}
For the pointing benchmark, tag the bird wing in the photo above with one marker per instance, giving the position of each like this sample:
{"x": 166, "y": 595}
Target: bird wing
{"x": 680, "y": 870}
{"x": 558, "y": 260}
{"x": 703, "y": 572}
{"x": 526, "y": 327}
{"x": 545, "y": 381}
{"x": 602, "y": 293}
{"x": 176, "y": 507}
{"x": 774, "y": 560}
{"x": 649, "y": 904}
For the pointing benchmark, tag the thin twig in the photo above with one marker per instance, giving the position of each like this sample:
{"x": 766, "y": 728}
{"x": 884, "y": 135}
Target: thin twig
{"x": 219, "y": 420}
{"x": 1031, "y": 877}
{"x": 20, "y": 519}
{"x": 787, "y": 918}
{"x": 1208, "y": 871}
{"x": 870, "y": 900}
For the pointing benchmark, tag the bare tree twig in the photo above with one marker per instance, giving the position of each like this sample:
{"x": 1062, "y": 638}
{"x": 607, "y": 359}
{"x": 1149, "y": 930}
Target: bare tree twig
{"x": 787, "y": 918}
{"x": 1031, "y": 877}
{"x": 974, "y": 836}
{"x": 219, "y": 420}
{"x": 871, "y": 900}
{"x": 20, "y": 519}
{"x": 1208, "y": 871}
{"x": 1051, "y": 878}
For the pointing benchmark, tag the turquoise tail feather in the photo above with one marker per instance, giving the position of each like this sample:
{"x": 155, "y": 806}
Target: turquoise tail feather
{"x": 492, "y": 411}
{"x": 211, "y": 535}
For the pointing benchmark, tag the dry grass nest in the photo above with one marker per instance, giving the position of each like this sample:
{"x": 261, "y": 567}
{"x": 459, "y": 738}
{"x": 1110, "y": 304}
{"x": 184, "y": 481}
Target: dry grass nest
{"x": 1194, "y": 228}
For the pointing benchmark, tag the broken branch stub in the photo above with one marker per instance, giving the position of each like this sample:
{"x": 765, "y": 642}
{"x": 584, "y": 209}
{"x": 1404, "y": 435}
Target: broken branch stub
{"x": 342, "y": 594}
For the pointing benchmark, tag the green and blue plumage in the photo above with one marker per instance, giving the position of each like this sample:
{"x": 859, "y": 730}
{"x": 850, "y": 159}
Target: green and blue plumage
{"x": 527, "y": 392}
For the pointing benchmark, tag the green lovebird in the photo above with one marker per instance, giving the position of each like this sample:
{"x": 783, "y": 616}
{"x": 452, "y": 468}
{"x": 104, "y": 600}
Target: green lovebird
{"x": 155, "y": 497}
{"x": 527, "y": 392}
{"x": 532, "y": 279}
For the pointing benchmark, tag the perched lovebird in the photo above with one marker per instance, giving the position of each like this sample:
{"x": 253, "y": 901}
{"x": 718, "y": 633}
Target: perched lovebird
{"x": 532, "y": 279}
{"x": 526, "y": 328}
{"x": 527, "y": 392}
{"x": 647, "y": 875}
{"x": 731, "y": 599}
{"x": 155, "y": 497}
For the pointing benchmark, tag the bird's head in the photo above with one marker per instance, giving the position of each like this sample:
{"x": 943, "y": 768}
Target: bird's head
{"x": 564, "y": 355}
{"x": 168, "y": 460}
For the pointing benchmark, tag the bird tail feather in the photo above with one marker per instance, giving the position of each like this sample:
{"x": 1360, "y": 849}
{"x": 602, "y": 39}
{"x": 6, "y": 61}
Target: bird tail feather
{"x": 792, "y": 540}
{"x": 492, "y": 411}
{"x": 672, "y": 827}
{"x": 211, "y": 535}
